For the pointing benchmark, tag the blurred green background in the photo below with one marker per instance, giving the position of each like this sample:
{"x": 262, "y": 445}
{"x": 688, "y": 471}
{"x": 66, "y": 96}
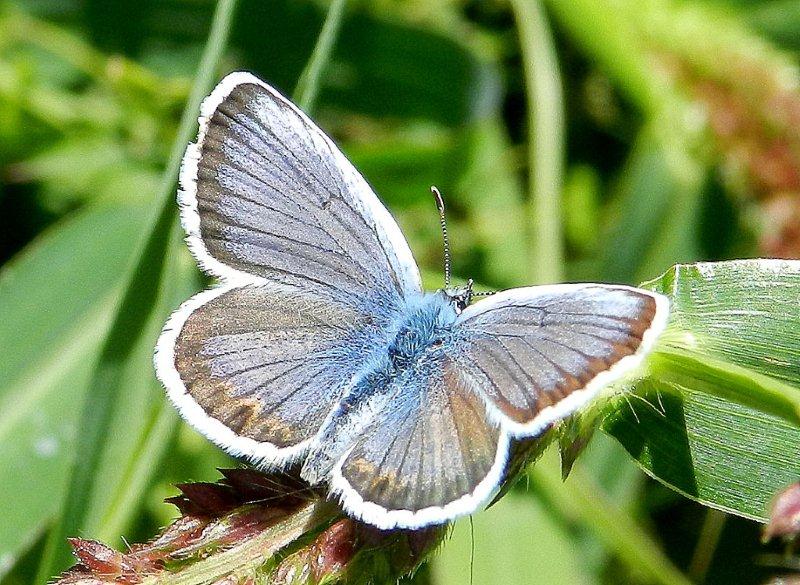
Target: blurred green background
{"x": 572, "y": 139}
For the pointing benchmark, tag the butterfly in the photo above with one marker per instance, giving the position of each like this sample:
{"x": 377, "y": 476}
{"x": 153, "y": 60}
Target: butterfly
{"x": 319, "y": 349}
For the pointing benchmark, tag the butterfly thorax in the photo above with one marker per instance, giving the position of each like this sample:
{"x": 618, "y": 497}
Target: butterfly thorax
{"x": 416, "y": 339}
{"x": 426, "y": 325}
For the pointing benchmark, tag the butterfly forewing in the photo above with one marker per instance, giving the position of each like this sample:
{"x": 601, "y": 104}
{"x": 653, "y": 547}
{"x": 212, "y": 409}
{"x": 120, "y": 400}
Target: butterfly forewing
{"x": 539, "y": 353}
{"x": 267, "y": 194}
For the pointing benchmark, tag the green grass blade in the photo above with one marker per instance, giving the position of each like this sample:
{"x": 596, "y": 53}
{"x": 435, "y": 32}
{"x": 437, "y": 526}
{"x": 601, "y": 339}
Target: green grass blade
{"x": 133, "y": 452}
{"x": 580, "y": 499}
{"x": 307, "y": 89}
{"x": 98, "y": 411}
{"x": 545, "y": 141}
{"x": 136, "y": 477}
{"x": 136, "y": 306}
{"x": 44, "y": 379}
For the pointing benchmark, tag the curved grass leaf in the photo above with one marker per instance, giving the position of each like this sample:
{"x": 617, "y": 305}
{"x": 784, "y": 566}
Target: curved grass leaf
{"x": 142, "y": 304}
{"x": 56, "y": 303}
{"x": 722, "y": 419}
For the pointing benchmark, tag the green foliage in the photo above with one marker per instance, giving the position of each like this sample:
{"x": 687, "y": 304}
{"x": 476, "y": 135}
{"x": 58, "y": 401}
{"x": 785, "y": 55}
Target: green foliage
{"x": 499, "y": 106}
{"x": 58, "y": 298}
{"x": 721, "y": 422}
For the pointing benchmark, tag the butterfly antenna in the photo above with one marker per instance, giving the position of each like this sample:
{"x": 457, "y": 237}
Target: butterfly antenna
{"x": 443, "y": 223}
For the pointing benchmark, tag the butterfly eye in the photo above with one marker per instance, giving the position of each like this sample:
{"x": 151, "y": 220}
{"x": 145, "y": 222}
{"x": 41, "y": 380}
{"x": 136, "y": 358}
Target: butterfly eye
{"x": 437, "y": 342}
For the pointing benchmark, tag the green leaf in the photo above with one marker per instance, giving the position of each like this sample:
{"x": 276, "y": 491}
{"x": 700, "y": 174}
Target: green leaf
{"x": 721, "y": 422}
{"x": 777, "y": 19}
{"x": 389, "y": 69}
{"x": 72, "y": 164}
{"x": 86, "y": 168}
{"x": 383, "y": 68}
{"x": 743, "y": 311}
{"x": 56, "y": 302}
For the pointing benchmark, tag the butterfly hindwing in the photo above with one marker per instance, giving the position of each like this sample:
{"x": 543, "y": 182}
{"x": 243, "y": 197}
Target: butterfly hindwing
{"x": 540, "y": 353}
{"x": 432, "y": 456}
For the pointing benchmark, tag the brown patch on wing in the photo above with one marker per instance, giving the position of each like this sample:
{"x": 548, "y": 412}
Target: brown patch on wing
{"x": 217, "y": 396}
{"x": 246, "y": 352}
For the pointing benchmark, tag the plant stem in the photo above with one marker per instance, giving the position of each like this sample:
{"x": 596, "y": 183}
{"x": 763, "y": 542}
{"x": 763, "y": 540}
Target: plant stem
{"x": 545, "y": 140}
{"x": 252, "y": 554}
{"x": 713, "y": 524}
{"x": 307, "y": 88}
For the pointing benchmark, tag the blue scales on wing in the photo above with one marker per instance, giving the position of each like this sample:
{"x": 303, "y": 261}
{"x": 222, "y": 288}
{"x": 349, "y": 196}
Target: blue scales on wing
{"x": 312, "y": 268}
{"x": 431, "y": 455}
{"x": 418, "y": 447}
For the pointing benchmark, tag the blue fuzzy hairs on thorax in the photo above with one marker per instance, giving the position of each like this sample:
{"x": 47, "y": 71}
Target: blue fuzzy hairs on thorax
{"x": 426, "y": 323}
{"x": 418, "y": 334}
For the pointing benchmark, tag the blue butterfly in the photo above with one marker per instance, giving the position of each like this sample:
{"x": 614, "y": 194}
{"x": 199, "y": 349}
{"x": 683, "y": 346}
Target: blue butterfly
{"x": 319, "y": 349}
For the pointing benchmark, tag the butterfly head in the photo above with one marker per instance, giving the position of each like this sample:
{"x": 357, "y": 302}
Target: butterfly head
{"x": 459, "y": 297}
